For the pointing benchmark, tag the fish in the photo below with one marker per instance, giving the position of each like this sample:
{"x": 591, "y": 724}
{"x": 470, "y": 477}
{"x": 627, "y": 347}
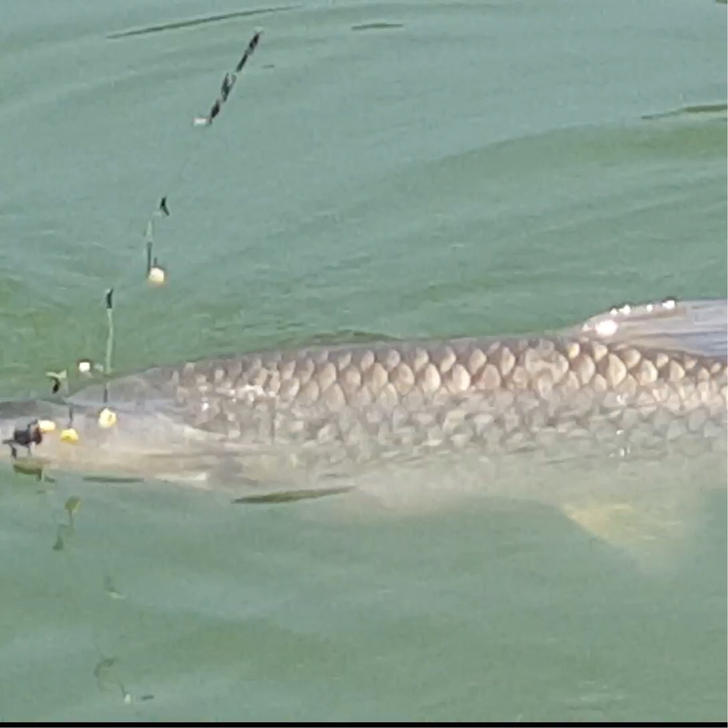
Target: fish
{"x": 634, "y": 384}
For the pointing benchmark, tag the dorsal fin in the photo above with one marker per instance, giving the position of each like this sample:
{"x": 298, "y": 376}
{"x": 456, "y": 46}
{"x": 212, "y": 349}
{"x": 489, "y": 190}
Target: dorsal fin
{"x": 699, "y": 327}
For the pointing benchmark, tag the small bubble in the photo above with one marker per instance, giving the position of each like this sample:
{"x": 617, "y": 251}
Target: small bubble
{"x": 608, "y": 327}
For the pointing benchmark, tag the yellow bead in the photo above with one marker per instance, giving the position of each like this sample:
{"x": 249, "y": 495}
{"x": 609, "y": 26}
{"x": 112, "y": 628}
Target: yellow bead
{"x": 69, "y": 435}
{"x": 107, "y": 418}
{"x": 156, "y": 275}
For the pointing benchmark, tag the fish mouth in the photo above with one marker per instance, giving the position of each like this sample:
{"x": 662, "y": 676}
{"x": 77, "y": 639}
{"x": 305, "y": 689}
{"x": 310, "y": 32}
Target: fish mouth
{"x": 102, "y": 442}
{"x": 36, "y": 434}
{"x": 18, "y": 415}
{"x": 25, "y": 428}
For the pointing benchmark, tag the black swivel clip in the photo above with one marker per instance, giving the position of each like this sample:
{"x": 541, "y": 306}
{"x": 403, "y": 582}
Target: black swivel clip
{"x": 25, "y": 437}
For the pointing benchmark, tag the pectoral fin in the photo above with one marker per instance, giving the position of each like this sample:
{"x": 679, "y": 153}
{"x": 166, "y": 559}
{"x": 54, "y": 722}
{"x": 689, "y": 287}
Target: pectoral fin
{"x": 622, "y": 524}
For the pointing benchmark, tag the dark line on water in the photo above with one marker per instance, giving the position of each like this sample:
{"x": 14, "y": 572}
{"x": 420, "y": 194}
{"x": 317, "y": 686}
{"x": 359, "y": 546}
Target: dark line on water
{"x": 198, "y": 21}
{"x": 695, "y": 109}
{"x": 290, "y": 496}
{"x": 377, "y": 26}
{"x": 111, "y": 479}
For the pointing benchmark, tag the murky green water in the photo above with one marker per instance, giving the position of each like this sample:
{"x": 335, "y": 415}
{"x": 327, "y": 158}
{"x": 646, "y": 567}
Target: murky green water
{"x": 395, "y": 169}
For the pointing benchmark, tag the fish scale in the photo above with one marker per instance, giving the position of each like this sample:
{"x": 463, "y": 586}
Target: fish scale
{"x": 385, "y": 393}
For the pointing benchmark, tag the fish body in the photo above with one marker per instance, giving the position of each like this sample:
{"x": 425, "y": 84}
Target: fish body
{"x": 635, "y": 381}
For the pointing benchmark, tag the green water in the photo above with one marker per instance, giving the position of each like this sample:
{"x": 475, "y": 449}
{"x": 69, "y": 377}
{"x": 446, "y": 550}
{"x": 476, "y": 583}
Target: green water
{"x": 397, "y": 169}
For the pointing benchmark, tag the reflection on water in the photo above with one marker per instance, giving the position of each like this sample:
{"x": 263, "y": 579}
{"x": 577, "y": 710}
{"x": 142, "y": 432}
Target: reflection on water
{"x": 551, "y": 599}
{"x": 695, "y": 109}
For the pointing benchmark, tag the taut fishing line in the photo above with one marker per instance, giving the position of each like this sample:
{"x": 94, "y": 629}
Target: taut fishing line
{"x": 32, "y": 434}
{"x": 155, "y": 271}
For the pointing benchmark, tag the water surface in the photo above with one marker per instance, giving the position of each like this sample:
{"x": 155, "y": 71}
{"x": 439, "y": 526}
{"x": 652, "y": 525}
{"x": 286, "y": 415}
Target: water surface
{"x": 393, "y": 169}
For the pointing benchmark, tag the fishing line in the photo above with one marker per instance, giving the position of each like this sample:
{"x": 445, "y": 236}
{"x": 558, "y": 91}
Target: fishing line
{"x": 64, "y": 535}
{"x": 155, "y": 272}
{"x": 32, "y": 434}
{"x": 104, "y": 670}
{"x": 109, "y": 340}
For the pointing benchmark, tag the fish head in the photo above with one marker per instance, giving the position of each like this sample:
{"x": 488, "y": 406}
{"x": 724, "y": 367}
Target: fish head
{"x": 88, "y": 434}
